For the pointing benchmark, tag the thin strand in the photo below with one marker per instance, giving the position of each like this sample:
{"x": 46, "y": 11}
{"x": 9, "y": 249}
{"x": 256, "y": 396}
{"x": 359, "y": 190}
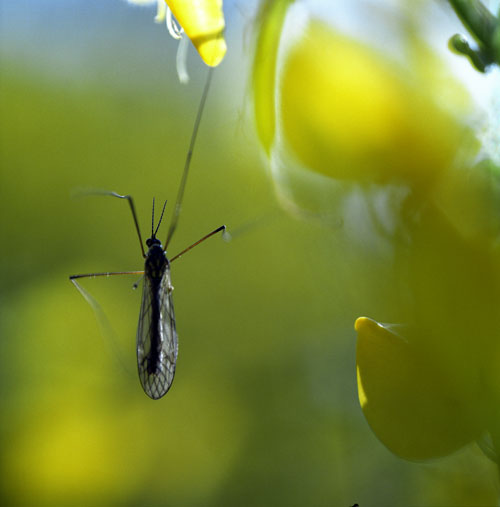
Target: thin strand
{"x": 180, "y": 194}
{"x": 106, "y": 329}
{"x": 221, "y": 228}
{"x": 153, "y": 219}
{"x": 161, "y": 218}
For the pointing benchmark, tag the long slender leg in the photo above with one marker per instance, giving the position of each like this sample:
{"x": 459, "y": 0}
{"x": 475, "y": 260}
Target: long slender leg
{"x": 93, "y": 275}
{"x": 106, "y": 329}
{"x": 134, "y": 214}
{"x": 132, "y": 208}
{"x": 221, "y": 228}
{"x": 187, "y": 164}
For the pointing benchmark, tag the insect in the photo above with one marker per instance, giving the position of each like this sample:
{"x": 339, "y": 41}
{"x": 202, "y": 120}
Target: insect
{"x": 157, "y": 342}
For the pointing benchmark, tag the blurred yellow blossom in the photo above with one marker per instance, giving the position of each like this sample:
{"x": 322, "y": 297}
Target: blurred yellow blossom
{"x": 351, "y": 114}
{"x": 328, "y": 104}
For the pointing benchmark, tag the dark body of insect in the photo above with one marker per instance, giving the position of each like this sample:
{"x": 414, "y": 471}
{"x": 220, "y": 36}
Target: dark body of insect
{"x": 157, "y": 343}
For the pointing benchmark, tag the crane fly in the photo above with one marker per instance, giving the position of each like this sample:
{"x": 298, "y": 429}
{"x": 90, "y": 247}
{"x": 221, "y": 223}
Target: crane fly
{"x": 157, "y": 342}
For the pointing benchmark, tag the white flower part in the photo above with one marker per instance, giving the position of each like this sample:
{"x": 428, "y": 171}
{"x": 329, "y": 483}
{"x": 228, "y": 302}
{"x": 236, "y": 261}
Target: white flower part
{"x": 161, "y": 7}
{"x": 173, "y": 29}
{"x": 142, "y": 2}
{"x": 181, "y": 60}
{"x": 176, "y": 32}
{"x": 161, "y": 11}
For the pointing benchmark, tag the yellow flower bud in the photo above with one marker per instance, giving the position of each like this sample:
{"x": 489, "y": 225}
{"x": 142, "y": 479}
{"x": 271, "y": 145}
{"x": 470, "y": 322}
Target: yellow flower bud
{"x": 203, "y": 22}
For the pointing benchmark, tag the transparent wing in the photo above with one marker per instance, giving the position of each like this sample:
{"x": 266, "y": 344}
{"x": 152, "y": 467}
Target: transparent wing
{"x": 157, "y": 338}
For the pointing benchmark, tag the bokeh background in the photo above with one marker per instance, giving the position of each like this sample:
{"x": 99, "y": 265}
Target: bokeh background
{"x": 263, "y": 409}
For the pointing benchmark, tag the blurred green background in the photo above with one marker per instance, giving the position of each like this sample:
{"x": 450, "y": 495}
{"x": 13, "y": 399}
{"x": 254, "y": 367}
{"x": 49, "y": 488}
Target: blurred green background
{"x": 263, "y": 409}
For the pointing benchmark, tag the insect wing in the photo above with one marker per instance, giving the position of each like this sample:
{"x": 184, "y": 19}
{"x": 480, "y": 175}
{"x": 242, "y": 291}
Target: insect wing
{"x": 156, "y": 337}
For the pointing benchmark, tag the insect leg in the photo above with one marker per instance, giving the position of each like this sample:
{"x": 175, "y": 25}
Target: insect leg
{"x": 221, "y": 228}
{"x": 105, "y": 326}
{"x": 94, "y": 275}
{"x": 132, "y": 208}
{"x": 187, "y": 164}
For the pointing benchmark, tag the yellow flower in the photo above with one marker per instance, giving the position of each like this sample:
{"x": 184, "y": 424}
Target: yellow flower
{"x": 378, "y": 140}
{"x": 201, "y": 20}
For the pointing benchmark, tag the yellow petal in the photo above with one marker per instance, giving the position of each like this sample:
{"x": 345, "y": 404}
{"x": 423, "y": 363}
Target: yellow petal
{"x": 407, "y": 400}
{"x": 203, "y": 22}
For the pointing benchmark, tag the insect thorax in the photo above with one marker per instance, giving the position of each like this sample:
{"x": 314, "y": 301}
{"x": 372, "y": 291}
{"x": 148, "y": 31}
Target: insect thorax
{"x": 156, "y": 262}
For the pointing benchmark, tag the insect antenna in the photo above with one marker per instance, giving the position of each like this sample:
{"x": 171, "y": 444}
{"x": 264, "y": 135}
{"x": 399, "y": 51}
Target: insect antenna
{"x": 187, "y": 164}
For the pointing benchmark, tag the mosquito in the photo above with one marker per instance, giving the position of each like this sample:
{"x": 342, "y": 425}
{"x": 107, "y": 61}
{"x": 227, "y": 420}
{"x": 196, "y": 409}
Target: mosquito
{"x": 157, "y": 343}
